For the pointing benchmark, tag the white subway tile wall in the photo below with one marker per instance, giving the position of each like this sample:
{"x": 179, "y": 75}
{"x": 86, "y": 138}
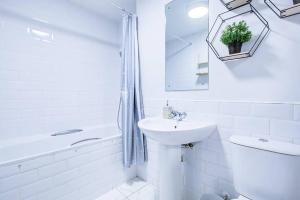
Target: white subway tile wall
{"x": 297, "y": 112}
{"x": 84, "y": 173}
{"x": 208, "y": 165}
{"x": 69, "y": 80}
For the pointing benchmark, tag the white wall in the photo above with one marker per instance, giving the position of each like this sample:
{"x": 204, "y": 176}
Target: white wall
{"x": 271, "y": 75}
{"x": 68, "y": 78}
{"x": 258, "y": 96}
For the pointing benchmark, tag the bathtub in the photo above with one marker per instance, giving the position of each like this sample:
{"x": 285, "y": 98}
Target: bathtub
{"x": 81, "y": 166}
{"x": 40, "y": 145}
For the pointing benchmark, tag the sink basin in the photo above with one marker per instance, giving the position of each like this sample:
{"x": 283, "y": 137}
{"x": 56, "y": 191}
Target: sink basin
{"x": 172, "y": 132}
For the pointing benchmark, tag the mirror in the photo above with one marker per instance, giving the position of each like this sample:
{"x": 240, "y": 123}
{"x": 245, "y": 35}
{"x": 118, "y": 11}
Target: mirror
{"x": 187, "y": 66}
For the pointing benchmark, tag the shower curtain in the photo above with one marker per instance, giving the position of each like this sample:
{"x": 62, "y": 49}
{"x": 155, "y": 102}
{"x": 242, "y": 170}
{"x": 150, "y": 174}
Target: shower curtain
{"x": 134, "y": 141}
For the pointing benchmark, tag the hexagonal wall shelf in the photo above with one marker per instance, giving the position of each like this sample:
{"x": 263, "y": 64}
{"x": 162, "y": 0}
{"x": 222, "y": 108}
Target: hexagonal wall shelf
{"x": 284, "y": 8}
{"x": 232, "y": 4}
{"x": 257, "y": 25}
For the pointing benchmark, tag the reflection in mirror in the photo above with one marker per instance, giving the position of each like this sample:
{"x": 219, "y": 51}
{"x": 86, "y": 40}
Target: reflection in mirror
{"x": 186, "y": 59}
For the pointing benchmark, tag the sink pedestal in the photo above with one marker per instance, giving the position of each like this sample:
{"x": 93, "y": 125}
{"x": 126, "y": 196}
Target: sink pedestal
{"x": 171, "y": 173}
{"x": 171, "y": 134}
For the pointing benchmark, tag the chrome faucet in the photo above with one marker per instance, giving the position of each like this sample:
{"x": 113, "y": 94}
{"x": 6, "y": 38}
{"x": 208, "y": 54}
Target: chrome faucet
{"x": 176, "y": 115}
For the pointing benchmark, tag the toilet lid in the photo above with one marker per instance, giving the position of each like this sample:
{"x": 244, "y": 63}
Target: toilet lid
{"x": 267, "y": 145}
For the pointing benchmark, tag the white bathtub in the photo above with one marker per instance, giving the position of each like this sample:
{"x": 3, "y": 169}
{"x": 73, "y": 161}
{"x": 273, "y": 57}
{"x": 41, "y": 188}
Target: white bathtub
{"x": 20, "y": 149}
{"x": 49, "y": 167}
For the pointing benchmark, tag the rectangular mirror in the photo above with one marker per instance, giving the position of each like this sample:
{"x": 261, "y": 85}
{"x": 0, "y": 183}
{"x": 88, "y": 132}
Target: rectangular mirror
{"x": 187, "y": 66}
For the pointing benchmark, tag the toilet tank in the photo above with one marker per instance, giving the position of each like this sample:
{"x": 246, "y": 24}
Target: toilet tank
{"x": 266, "y": 169}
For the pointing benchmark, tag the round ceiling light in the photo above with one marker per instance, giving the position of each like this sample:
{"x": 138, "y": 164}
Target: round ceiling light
{"x": 198, "y": 12}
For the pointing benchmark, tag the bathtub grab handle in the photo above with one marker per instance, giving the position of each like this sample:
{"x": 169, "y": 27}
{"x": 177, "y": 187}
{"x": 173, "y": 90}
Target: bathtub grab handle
{"x": 71, "y": 131}
{"x": 85, "y": 140}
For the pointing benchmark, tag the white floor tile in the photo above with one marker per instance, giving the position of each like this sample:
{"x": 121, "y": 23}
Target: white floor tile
{"x": 146, "y": 193}
{"x": 112, "y": 195}
{"x": 135, "y": 189}
{"x": 131, "y": 186}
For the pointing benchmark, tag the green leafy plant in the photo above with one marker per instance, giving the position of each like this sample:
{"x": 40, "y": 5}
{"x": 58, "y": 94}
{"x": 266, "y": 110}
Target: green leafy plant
{"x": 236, "y": 33}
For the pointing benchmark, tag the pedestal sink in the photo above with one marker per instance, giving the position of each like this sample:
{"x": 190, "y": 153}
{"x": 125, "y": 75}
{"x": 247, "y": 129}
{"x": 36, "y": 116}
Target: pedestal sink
{"x": 171, "y": 134}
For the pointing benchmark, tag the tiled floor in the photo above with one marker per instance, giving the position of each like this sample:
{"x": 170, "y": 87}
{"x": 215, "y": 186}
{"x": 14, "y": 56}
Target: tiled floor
{"x": 135, "y": 189}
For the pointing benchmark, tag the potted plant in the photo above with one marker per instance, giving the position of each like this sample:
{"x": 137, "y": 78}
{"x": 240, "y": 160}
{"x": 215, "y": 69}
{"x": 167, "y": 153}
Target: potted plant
{"x": 235, "y": 35}
{"x": 296, "y": 1}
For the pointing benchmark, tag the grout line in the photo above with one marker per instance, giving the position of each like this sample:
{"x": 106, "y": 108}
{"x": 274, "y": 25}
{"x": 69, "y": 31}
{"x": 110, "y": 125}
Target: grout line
{"x": 127, "y": 196}
{"x": 138, "y": 190}
{"x": 224, "y": 101}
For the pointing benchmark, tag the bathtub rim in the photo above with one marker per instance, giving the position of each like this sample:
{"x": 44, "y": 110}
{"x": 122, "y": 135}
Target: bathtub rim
{"x": 59, "y": 150}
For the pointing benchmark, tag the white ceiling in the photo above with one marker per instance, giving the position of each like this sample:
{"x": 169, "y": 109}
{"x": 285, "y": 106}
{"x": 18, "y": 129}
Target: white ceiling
{"x": 105, "y": 7}
{"x": 178, "y": 21}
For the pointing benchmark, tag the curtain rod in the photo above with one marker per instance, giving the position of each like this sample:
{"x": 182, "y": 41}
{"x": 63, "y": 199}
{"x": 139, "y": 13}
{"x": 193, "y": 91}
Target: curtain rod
{"x": 121, "y": 8}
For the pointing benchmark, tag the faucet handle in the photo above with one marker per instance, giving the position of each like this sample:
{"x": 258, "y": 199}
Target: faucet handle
{"x": 182, "y": 115}
{"x": 173, "y": 114}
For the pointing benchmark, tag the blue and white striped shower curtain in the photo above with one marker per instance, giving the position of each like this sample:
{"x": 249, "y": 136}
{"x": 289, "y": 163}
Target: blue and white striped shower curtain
{"x": 134, "y": 142}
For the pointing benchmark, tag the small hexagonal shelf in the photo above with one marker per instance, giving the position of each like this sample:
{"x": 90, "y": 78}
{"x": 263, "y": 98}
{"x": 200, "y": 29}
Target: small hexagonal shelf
{"x": 232, "y": 4}
{"x": 284, "y": 8}
{"x": 258, "y": 26}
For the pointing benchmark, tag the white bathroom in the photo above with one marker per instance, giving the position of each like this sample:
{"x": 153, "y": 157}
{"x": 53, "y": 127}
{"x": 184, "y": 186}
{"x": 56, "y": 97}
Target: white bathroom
{"x": 149, "y": 100}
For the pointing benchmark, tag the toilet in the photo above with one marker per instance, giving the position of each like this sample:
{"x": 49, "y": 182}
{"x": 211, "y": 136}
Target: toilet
{"x": 265, "y": 169}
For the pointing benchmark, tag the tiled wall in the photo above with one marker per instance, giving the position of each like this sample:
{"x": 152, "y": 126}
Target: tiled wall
{"x": 59, "y": 68}
{"x": 208, "y": 164}
{"x": 82, "y": 173}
